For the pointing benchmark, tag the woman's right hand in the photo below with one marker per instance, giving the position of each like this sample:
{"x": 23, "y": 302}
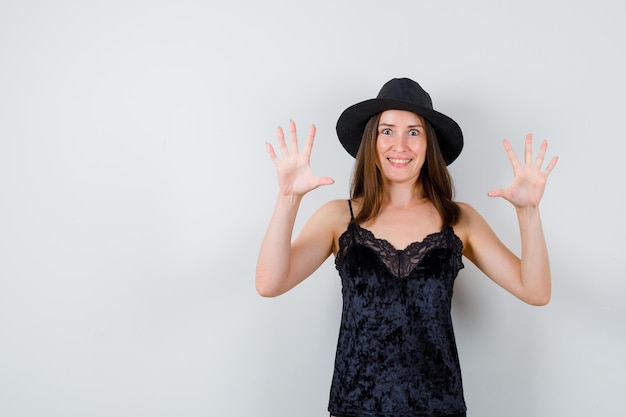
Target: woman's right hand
{"x": 294, "y": 169}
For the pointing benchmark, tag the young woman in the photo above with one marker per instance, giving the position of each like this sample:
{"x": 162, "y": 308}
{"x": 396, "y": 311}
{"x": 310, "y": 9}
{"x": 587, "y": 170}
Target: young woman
{"x": 398, "y": 244}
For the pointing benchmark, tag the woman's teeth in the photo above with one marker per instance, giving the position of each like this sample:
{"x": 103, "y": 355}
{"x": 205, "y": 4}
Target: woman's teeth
{"x": 399, "y": 161}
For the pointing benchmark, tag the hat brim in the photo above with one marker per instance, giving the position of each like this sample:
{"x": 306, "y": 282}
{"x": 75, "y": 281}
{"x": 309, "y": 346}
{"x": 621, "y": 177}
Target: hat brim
{"x": 352, "y": 121}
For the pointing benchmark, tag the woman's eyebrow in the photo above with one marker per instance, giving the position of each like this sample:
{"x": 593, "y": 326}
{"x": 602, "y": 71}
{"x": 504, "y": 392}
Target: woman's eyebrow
{"x": 392, "y": 125}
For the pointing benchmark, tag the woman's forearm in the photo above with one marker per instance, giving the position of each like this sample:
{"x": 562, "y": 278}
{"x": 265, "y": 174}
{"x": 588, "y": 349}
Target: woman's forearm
{"x": 272, "y": 267}
{"x": 535, "y": 265}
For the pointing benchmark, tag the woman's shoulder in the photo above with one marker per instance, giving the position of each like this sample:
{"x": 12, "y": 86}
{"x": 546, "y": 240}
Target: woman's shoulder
{"x": 333, "y": 217}
{"x": 469, "y": 215}
{"x": 468, "y": 218}
{"x": 466, "y": 208}
{"x": 338, "y": 210}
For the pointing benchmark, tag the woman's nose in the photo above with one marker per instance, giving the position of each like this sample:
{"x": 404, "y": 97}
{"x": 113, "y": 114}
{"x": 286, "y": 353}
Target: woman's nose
{"x": 400, "y": 143}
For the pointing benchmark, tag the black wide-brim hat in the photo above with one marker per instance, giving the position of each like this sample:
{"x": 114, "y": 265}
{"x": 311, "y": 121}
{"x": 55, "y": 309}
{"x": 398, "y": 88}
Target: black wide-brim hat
{"x": 400, "y": 94}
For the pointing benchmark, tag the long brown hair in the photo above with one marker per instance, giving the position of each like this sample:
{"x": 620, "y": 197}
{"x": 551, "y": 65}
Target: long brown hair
{"x": 368, "y": 185}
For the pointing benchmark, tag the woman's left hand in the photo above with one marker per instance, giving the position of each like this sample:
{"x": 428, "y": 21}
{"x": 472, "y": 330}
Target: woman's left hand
{"x": 529, "y": 180}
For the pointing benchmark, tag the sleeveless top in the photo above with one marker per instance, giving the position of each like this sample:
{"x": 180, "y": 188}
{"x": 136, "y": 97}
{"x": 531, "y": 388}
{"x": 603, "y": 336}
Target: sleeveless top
{"x": 396, "y": 353}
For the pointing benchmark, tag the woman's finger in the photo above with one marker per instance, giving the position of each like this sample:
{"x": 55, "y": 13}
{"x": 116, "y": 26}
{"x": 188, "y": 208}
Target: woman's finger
{"x": 270, "y": 151}
{"x": 496, "y": 192}
{"x": 528, "y": 149}
{"x": 511, "y": 154}
{"x": 294, "y": 137}
{"x": 541, "y": 155}
{"x": 308, "y": 145}
{"x": 551, "y": 165}
{"x": 280, "y": 134}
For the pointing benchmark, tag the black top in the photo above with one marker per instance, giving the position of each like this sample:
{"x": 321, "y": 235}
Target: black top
{"x": 396, "y": 354}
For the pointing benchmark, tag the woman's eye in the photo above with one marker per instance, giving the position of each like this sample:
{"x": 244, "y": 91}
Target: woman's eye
{"x": 414, "y": 132}
{"x": 385, "y": 132}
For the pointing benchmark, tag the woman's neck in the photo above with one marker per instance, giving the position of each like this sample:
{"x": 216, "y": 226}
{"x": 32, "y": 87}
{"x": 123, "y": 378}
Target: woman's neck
{"x": 403, "y": 195}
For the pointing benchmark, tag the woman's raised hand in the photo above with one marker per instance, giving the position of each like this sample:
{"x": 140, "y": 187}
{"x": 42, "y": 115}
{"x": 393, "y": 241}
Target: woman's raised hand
{"x": 294, "y": 167}
{"x": 529, "y": 181}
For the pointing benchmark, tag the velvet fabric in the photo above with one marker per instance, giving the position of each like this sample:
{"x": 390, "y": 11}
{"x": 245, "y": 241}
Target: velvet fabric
{"x": 396, "y": 353}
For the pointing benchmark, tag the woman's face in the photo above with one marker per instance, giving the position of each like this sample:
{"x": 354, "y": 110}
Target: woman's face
{"x": 401, "y": 145}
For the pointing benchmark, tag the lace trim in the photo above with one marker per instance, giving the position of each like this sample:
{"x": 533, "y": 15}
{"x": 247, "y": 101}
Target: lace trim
{"x": 399, "y": 262}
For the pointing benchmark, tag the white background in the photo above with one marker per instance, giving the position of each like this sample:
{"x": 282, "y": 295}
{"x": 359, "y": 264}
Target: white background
{"x": 135, "y": 190}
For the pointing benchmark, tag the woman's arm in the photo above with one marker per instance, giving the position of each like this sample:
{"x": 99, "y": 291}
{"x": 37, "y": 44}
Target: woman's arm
{"x": 528, "y": 277}
{"x": 281, "y": 265}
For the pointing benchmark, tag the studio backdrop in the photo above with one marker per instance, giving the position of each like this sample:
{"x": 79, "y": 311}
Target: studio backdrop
{"x": 135, "y": 190}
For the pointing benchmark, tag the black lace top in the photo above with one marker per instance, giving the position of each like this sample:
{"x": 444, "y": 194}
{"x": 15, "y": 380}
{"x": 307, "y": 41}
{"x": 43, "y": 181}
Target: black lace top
{"x": 396, "y": 354}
